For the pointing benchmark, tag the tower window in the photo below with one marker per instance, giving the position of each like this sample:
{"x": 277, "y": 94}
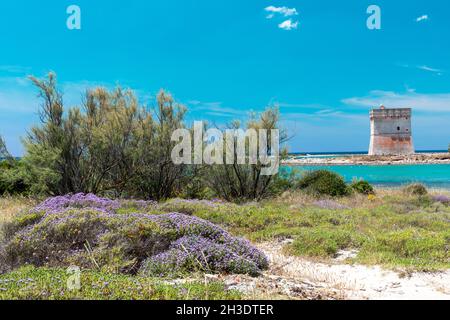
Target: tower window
{"x": 398, "y": 128}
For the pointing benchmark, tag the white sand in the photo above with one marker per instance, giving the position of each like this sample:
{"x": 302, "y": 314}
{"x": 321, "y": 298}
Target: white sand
{"x": 357, "y": 281}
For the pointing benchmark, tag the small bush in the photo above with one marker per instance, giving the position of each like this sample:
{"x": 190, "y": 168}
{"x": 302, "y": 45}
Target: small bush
{"x": 363, "y": 187}
{"x": 202, "y": 254}
{"x": 323, "y": 182}
{"x": 93, "y": 233}
{"x": 442, "y": 199}
{"x": 415, "y": 189}
{"x": 12, "y": 178}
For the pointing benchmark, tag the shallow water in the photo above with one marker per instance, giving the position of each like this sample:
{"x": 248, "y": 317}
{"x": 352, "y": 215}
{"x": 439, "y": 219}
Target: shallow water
{"x": 432, "y": 175}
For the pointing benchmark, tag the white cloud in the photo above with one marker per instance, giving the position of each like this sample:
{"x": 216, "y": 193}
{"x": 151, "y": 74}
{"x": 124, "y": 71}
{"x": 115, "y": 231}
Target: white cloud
{"x": 435, "y": 102}
{"x": 285, "y": 11}
{"x": 422, "y": 18}
{"x": 439, "y": 72}
{"x": 288, "y": 25}
{"x": 430, "y": 69}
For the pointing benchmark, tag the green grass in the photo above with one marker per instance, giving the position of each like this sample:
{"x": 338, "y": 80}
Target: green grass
{"x": 29, "y": 283}
{"x": 394, "y": 230}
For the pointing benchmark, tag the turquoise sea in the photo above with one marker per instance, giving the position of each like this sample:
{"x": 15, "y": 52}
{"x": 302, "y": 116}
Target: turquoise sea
{"x": 432, "y": 175}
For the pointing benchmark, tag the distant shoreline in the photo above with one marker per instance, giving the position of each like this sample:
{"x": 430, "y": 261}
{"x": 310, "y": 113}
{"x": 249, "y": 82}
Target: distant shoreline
{"x": 352, "y": 153}
{"x": 339, "y": 160}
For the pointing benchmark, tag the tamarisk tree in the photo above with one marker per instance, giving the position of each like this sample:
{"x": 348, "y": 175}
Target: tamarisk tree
{"x": 110, "y": 145}
{"x": 4, "y": 154}
{"x": 241, "y": 182}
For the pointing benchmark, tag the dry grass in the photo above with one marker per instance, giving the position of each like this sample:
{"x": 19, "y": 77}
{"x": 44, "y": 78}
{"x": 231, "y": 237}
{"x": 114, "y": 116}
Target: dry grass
{"x": 10, "y": 206}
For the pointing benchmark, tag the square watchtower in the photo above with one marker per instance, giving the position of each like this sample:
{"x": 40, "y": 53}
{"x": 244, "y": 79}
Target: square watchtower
{"x": 391, "y": 132}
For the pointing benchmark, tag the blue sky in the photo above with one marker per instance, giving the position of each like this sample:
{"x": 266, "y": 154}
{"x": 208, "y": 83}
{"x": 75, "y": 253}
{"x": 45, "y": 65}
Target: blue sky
{"x": 225, "y": 58}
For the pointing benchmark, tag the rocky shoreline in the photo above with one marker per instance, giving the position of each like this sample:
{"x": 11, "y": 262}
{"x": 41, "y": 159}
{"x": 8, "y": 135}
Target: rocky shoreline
{"x": 415, "y": 159}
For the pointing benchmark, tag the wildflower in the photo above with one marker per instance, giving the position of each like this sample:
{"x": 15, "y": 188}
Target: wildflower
{"x": 86, "y": 230}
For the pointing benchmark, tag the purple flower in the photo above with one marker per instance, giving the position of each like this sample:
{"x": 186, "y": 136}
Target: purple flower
{"x": 73, "y": 226}
{"x": 442, "y": 199}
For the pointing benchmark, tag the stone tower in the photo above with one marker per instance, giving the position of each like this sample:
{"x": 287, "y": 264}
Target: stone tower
{"x": 391, "y": 132}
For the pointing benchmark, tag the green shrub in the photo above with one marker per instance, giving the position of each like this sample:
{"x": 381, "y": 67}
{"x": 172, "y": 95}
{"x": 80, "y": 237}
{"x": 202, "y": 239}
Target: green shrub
{"x": 415, "y": 189}
{"x": 362, "y": 187}
{"x": 248, "y": 182}
{"x": 323, "y": 182}
{"x": 13, "y": 178}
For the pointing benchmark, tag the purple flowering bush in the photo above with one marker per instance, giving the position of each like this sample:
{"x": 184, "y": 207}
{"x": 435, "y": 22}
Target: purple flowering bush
{"x": 95, "y": 233}
{"x": 442, "y": 199}
{"x": 191, "y": 253}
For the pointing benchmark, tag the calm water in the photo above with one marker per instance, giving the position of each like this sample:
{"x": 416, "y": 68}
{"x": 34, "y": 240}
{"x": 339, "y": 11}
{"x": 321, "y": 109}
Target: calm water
{"x": 432, "y": 175}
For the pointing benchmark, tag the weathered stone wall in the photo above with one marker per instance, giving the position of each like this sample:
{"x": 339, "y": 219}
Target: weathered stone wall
{"x": 391, "y": 132}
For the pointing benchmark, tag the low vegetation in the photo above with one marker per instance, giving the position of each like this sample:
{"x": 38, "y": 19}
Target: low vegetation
{"x": 323, "y": 182}
{"x": 415, "y": 189}
{"x": 362, "y": 187}
{"x": 31, "y": 283}
{"x": 91, "y": 232}
{"x": 390, "y": 229}
{"x": 134, "y": 244}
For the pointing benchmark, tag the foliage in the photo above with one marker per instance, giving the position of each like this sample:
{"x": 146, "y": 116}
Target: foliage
{"x": 393, "y": 230}
{"x": 198, "y": 253}
{"x": 157, "y": 176}
{"x": 241, "y": 182}
{"x": 4, "y": 154}
{"x": 415, "y": 189}
{"x": 13, "y": 178}
{"x": 30, "y": 283}
{"x": 11, "y": 173}
{"x": 323, "y": 182}
{"x": 442, "y": 199}
{"x": 369, "y": 227}
{"x": 91, "y": 232}
{"x": 113, "y": 146}
{"x": 110, "y": 146}
{"x": 362, "y": 187}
